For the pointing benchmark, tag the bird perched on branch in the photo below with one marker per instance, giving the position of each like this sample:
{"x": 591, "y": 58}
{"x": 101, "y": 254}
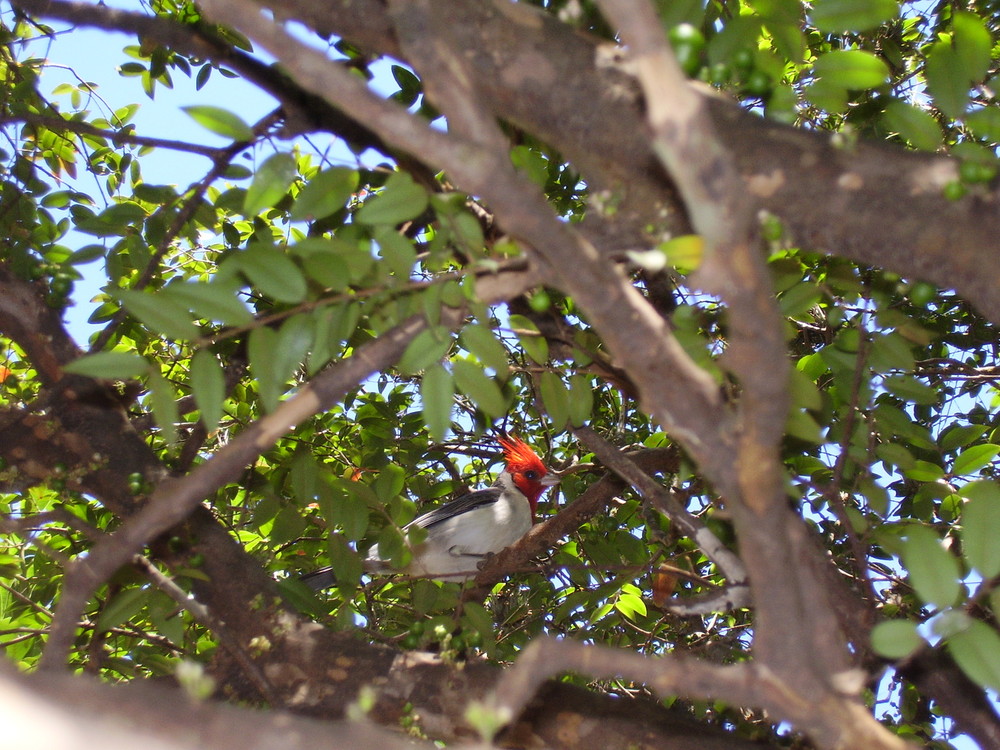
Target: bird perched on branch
{"x": 462, "y": 533}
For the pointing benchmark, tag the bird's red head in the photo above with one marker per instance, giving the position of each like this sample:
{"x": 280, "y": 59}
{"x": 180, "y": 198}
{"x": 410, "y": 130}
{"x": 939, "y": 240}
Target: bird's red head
{"x": 526, "y": 469}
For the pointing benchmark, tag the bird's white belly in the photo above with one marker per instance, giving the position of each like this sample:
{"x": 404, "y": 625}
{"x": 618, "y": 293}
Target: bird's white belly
{"x": 455, "y": 547}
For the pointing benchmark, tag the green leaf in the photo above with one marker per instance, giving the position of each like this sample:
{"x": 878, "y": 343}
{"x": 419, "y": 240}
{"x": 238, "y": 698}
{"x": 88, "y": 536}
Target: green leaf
{"x": 262, "y": 353}
{"x": 972, "y": 43}
{"x": 977, "y": 651}
{"x": 685, "y": 252}
{"x": 400, "y": 200}
{"x": 344, "y": 506}
{"x": 109, "y": 365}
{"x": 288, "y": 525}
{"x": 270, "y": 183}
{"x": 896, "y": 639}
{"x": 480, "y": 387}
{"x": 483, "y": 343}
{"x": 304, "y": 478}
{"x": 985, "y": 123}
{"x": 803, "y": 390}
{"x": 208, "y": 382}
{"x": 909, "y": 388}
{"x": 436, "y": 393}
{"x": 426, "y": 348}
{"x": 840, "y": 16}
{"x": 555, "y": 396}
{"x": 355, "y": 260}
{"x": 959, "y": 435}
{"x": 292, "y": 344}
{"x": 800, "y": 299}
{"x": 532, "y": 163}
{"x": 975, "y": 458}
{"x": 630, "y": 605}
{"x": 852, "y": 69}
{"x": 947, "y": 84}
{"x": 163, "y": 399}
{"x": 917, "y": 126}
{"x": 122, "y": 608}
{"x": 162, "y": 316}
{"x": 896, "y": 455}
{"x": 876, "y": 495}
{"x": 215, "y": 301}
{"x": 397, "y": 251}
{"x": 328, "y": 270}
{"x": 390, "y": 482}
{"x": 980, "y": 521}
{"x": 325, "y": 193}
{"x": 924, "y": 471}
{"x": 535, "y": 346}
{"x": 891, "y": 352}
{"x": 800, "y": 424}
{"x": 345, "y": 561}
{"x": 933, "y": 570}
{"x": 273, "y": 273}
{"x": 220, "y": 121}
{"x": 581, "y": 399}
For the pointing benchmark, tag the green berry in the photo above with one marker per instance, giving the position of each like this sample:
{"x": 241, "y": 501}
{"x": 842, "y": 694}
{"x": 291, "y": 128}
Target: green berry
{"x": 954, "y": 190}
{"x": 688, "y": 44}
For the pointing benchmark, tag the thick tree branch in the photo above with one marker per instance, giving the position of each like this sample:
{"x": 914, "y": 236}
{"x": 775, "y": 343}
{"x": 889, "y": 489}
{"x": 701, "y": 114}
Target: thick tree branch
{"x": 874, "y": 203}
{"x": 77, "y": 713}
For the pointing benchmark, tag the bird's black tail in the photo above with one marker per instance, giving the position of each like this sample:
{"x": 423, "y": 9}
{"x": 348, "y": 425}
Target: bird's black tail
{"x": 320, "y": 579}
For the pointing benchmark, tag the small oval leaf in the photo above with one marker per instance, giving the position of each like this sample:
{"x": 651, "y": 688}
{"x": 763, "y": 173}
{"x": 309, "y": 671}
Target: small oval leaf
{"x": 400, "y": 200}
{"x": 852, "y": 69}
{"x": 109, "y": 365}
{"x": 933, "y": 570}
{"x": 270, "y": 183}
{"x": 220, "y": 121}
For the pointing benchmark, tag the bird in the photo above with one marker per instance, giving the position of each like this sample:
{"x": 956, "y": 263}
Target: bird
{"x": 467, "y": 530}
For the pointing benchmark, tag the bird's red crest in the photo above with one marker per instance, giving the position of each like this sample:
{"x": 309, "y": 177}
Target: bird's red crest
{"x": 525, "y": 468}
{"x": 519, "y": 455}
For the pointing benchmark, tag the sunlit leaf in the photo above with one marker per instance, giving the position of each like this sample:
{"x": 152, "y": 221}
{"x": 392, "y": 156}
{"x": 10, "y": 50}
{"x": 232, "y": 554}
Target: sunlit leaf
{"x": 480, "y": 387}
{"x": 896, "y": 639}
{"x": 163, "y": 399}
{"x": 977, "y": 652}
{"x": 916, "y": 125}
{"x": 216, "y": 301}
{"x": 933, "y": 570}
{"x": 840, "y": 16}
{"x": 534, "y": 345}
{"x": 270, "y": 183}
{"x": 555, "y": 396}
{"x": 483, "y": 343}
{"x": 208, "y": 382}
{"x": 162, "y": 316}
{"x": 980, "y": 522}
{"x": 436, "y": 393}
{"x": 112, "y": 365}
{"x": 325, "y": 193}
{"x": 426, "y": 348}
{"x": 220, "y": 121}
{"x": 275, "y": 274}
{"x": 852, "y": 69}
{"x": 974, "y": 458}
{"x": 400, "y": 200}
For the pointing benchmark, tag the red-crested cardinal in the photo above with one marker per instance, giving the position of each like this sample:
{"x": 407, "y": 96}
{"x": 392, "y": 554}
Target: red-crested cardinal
{"x": 462, "y": 533}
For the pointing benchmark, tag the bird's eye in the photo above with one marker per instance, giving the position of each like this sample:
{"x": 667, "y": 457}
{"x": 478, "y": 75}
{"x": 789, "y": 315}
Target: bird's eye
{"x": 531, "y": 474}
